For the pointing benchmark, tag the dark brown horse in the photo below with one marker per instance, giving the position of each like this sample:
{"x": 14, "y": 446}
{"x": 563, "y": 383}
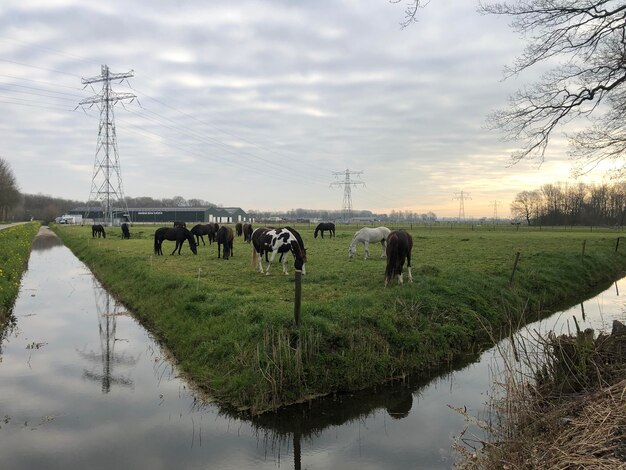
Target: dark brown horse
{"x": 200, "y": 230}
{"x": 239, "y": 229}
{"x": 125, "y": 231}
{"x": 98, "y": 230}
{"x": 325, "y": 227}
{"x": 247, "y": 232}
{"x": 225, "y": 237}
{"x": 399, "y": 246}
{"x": 178, "y": 234}
{"x": 180, "y": 224}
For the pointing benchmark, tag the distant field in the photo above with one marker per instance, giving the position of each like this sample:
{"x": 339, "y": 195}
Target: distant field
{"x": 231, "y": 328}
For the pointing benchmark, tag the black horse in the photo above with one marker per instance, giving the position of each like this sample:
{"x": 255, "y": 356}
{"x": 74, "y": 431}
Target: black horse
{"x": 203, "y": 229}
{"x": 98, "y": 230}
{"x": 247, "y": 232}
{"x": 180, "y": 224}
{"x": 225, "y": 237}
{"x": 399, "y": 246}
{"x": 178, "y": 234}
{"x": 325, "y": 227}
{"x": 239, "y": 229}
{"x": 125, "y": 231}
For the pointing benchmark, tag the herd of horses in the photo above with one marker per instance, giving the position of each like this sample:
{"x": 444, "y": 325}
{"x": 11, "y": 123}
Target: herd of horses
{"x": 267, "y": 242}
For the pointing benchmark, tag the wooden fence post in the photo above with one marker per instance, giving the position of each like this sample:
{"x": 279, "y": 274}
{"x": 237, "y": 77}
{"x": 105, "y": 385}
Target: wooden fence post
{"x": 517, "y": 255}
{"x": 583, "y": 254}
{"x": 617, "y": 244}
{"x": 298, "y": 300}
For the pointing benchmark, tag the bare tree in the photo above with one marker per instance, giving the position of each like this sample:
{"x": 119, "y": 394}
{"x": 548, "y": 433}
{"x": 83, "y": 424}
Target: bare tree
{"x": 588, "y": 39}
{"x": 526, "y": 205}
{"x": 411, "y": 9}
{"x": 9, "y": 194}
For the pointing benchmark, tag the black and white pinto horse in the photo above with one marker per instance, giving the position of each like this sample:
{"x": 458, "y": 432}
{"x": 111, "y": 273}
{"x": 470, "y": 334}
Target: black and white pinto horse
{"x": 399, "y": 246}
{"x": 125, "y": 231}
{"x": 98, "y": 230}
{"x": 278, "y": 240}
{"x": 247, "y": 232}
{"x": 325, "y": 227}
{"x": 225, "y": 237}
{"x": 178, "y": 234}
{"x": 200, "y": 230}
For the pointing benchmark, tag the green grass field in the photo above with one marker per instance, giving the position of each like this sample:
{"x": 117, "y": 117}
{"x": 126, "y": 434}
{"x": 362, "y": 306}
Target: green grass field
{"x": 15, "y": 243}
{"x": 231, "y": 329}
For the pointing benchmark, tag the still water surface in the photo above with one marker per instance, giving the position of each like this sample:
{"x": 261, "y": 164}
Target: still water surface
{"x": 83, "y": 385}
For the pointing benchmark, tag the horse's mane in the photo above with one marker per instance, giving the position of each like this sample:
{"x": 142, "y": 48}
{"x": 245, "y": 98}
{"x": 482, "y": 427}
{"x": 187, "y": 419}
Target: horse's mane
{"x": 298, "y": 238}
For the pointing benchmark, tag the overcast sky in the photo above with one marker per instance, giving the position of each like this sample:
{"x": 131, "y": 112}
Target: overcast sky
{"x": 255, "y": 104}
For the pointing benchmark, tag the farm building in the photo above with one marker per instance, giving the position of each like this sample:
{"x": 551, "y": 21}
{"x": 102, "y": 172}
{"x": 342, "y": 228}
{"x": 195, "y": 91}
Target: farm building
{"x": 158, "y": 215}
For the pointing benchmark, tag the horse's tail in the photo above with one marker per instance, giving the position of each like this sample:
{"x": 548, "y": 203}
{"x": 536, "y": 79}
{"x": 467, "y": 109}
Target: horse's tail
{"x": 393, "y": 253}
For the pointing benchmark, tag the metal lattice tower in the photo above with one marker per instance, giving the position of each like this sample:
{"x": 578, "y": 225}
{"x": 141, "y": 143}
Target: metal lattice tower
{"x": 347, "y": 190}
{"x": 461, "y": 196}
{"x": 106, "y": 184}
{"x": 495, "y": 205}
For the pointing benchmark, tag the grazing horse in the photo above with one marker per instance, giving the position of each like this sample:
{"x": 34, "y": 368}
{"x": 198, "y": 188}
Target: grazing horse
{"x": 180, "y": 224}
{"x": 399, "y": 246}
{"x": 98, "y": 230}
{"x": 201, "y": 230}
{"x": 366, "y": 236}
{"x": 225, "y": 237}
{"x": 279, "y": 240}
{"x": 325, "y": 227}
{"x": 247, "y": 233}
{"x": 178, "y": 234}
{"x": 239, "y": 229}
{"x": 216, "y": 227}
{"x": 125, "y": 231}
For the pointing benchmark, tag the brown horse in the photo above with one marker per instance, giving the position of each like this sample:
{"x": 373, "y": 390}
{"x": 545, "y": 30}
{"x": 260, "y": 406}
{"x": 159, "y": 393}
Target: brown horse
{"x": 399, "y": 246}
{"x": 238, "y": 229}
{"x": 98, "y": 230}
{"x": 225, "y": 237}
{"x": 247, "y": 232}
{"x": 200, "y": 230}
{"x": 178, "y": 234}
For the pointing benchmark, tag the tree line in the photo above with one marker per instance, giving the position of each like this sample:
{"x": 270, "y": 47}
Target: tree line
{"x": 579, "y": 204}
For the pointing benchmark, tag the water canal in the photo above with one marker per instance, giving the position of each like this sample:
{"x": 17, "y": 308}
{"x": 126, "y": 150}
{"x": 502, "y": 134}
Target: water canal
{"x": 83, "y": 385}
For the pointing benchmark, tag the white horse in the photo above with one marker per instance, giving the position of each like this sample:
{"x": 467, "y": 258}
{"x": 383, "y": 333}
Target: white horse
{"x": 369, "y": 235}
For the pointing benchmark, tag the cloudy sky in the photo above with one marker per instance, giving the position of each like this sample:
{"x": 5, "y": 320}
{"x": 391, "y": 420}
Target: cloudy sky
{"x": 257, "y": 103}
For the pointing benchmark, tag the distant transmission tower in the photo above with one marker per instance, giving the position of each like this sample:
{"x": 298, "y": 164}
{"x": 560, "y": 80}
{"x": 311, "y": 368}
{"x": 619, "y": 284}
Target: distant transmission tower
{"x": 347, "y": 190}
{"x": 495, "y": 205}
{"x": 462, "y": 196}
{"x": 106, "y": 184}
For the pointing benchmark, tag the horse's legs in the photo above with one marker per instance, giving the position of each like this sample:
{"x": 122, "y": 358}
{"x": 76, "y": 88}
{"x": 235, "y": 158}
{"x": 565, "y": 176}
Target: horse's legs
{"x": 269, "y": 263}
{"x": 219, "y": 245}
{"x": 408, "y": 265}
{"x": 367, "y": 249}
{"x": 383, "y": 254}
{"x": 260, "y": 263}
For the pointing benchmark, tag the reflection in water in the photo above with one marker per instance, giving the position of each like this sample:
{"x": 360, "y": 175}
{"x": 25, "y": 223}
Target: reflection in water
{"x": 45, "y": 240}
{"x": 107, "y": 310}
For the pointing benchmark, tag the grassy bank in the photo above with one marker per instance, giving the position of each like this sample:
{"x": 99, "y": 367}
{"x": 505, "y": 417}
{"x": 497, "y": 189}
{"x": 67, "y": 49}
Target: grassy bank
{"x": 231, "y": 329}
{"x": 15, "y": 245}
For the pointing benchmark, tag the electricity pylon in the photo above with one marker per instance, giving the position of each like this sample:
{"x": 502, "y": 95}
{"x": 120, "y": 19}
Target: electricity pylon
{"x": 462, "y": 196}
{"x": 495, "y": 205}
{"x": 106, "y": 166}
{"x": 347, "y": 190}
